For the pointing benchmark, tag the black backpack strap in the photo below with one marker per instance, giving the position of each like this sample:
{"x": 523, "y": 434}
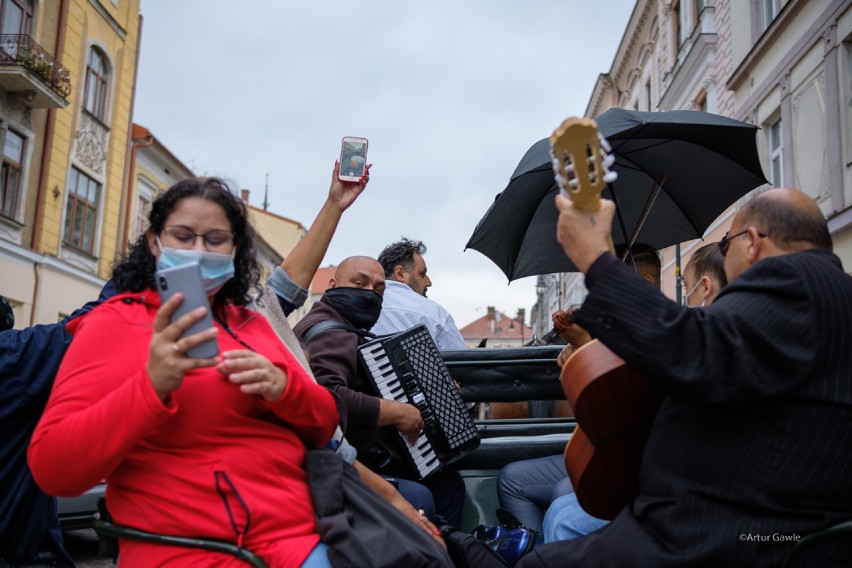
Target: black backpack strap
{"x": 322, "y": 326}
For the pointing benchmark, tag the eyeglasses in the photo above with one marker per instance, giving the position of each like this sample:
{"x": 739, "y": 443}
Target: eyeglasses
{"x": 215, "y": 239}
{"x": 725, "y": 243}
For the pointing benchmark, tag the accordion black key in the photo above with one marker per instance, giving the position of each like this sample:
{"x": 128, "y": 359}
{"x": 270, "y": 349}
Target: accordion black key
{"x": 408, "y": 368}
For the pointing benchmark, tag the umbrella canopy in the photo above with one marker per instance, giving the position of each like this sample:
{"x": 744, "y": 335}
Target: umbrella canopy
{"x": 701, "y": 163}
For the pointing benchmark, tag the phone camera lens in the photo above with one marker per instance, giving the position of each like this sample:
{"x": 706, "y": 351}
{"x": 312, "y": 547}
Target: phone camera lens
{"x": 163, "y": 284}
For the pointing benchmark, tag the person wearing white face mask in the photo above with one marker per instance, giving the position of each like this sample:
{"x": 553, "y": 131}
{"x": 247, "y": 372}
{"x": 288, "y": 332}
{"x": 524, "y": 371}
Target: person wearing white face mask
{"x": 704, "y": 276}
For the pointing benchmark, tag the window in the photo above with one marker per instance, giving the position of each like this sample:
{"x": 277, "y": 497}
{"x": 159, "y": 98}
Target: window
{"x": 648, "y": 95}
{"x": 776, "y": 163}
{"x": 696, "y": 6}
{"x": 97, "y": 77}
{"x": 81, "y": 212}
{"x": 770, "y": 10}
{"x": 678, "y": 28}
{"x": 10, "y": 178}
{"x": 846, "y": 94}
{"x": 146, "y": 191}
{"x": 16, "y": 17}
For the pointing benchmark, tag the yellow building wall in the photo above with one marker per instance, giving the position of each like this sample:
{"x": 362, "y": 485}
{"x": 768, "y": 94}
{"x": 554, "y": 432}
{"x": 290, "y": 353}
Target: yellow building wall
{"x": 281, "y": 233}
{"x": 114, "y": 29}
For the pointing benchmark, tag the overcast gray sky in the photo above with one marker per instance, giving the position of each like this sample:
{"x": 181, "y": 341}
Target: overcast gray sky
{"x": 450, "y": 94}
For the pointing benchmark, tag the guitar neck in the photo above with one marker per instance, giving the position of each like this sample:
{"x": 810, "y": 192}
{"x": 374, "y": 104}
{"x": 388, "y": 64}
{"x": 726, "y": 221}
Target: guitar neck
{"x": 580, "y": 163}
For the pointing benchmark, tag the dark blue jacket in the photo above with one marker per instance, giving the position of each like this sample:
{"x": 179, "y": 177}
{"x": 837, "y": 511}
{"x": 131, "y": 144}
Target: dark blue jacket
{"x": 29, "y": 359}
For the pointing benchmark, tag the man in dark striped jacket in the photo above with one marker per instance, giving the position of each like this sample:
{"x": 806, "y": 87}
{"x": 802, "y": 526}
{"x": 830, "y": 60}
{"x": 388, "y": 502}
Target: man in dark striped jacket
{"x": 751, "y": 449}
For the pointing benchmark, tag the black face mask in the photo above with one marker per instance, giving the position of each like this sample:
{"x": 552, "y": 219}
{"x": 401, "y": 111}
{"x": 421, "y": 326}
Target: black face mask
{"x": 361, "y": 307}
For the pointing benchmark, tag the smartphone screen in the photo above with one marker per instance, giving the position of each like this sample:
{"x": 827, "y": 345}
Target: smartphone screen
{"x": 353, "y": 158}
{"x": 187, "y": 280}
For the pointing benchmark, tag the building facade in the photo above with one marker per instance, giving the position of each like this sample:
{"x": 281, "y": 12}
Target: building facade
{"x": 783, "y": 65}
{"x": 67, "y": 77}
{"x": 154, "y": 168}
{"x": 496, "y": 329}
{"x": 277, "y": 235}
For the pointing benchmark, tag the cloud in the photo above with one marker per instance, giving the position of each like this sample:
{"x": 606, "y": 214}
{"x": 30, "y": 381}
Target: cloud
{"x": 450, "y": 95}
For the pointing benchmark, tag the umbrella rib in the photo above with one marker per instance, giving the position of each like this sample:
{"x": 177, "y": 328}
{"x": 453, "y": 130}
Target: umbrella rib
{"x": 646, "y": 210}
{"x": 661, "y": 184}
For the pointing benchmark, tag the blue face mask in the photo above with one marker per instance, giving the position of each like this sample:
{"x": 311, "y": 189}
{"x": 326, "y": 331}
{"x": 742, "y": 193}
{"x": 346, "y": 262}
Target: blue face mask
{"x": 216, "y": 269}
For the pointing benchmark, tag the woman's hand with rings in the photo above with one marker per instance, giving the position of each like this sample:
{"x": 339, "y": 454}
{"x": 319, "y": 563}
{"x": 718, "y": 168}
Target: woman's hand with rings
{"x": 167, "y": 360}
{"x": 430, "y": 528}
{"x": 254, "y": 373}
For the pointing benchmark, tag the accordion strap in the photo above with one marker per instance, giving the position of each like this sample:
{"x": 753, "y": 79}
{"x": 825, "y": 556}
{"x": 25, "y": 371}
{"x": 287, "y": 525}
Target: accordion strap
{"x": 322, "y": 326}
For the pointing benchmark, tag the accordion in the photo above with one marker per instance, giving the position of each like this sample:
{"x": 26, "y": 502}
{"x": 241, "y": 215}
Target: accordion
{"x": 408, "y": 368}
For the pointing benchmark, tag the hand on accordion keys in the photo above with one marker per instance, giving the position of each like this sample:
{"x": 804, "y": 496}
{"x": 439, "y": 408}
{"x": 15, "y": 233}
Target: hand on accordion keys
{"x": 405, "y": 417}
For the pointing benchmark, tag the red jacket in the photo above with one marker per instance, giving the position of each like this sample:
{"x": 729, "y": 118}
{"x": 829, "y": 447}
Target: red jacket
{"x": 163, "y": 461}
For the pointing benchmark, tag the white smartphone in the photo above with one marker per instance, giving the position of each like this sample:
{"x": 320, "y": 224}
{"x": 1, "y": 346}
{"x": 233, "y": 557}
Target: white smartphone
{"x": 187, "y": 280}
{"x": 353, "y": 158}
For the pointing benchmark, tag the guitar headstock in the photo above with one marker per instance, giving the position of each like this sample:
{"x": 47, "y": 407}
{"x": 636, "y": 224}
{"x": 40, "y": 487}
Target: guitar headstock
{"x": 581, "y": 161}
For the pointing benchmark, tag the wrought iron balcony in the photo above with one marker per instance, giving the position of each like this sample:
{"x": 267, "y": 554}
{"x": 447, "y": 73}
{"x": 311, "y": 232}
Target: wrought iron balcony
{"x": 27, "y": 71}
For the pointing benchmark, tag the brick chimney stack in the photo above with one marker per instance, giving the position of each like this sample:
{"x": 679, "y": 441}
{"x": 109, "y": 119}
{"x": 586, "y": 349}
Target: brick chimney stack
{"x": 491, "y": 313}
{"x": 244, "y": 195}
{"x": 522, "y": 314}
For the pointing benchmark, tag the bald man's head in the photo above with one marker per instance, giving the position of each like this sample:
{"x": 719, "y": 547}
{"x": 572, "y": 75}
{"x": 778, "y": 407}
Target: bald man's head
{"x": 359, "y": 272}
{"x": 790, "y": 218}
{"x": 779, "y": 221}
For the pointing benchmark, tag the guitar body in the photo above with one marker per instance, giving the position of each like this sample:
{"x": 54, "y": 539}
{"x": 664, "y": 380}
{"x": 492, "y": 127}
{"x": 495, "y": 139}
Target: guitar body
{"x": 614, "y": 407}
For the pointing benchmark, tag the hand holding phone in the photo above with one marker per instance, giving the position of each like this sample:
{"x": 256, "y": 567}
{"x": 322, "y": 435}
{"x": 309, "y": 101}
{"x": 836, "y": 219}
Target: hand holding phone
{"x": 187, "y": 280}
{"x": 353, "y": 158}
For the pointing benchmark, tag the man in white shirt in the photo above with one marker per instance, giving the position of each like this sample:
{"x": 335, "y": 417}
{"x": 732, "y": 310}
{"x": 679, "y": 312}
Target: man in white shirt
{"x": 405, "y": 304}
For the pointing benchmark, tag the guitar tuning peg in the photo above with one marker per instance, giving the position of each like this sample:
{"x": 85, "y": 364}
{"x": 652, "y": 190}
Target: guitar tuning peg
{"x": 608, "y": 161}
{"x": 604, "y": 144}
{"x": 610, "y": 177}
{"x": 572, "y": 183}
{"x": 569, "y": 167}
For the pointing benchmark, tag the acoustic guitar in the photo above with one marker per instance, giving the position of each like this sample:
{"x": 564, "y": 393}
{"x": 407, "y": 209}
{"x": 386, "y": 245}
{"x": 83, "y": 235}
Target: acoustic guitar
{"x": 614, "y": 405}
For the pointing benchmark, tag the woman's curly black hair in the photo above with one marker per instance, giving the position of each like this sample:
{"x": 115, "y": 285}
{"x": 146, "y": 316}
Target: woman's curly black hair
{"x": 135, "y": 271}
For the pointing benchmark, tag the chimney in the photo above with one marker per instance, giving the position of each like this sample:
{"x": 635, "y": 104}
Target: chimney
{"x": 244, "y": 195}
{"x": 522, "y": 314}
{"x": 491, "y": 311}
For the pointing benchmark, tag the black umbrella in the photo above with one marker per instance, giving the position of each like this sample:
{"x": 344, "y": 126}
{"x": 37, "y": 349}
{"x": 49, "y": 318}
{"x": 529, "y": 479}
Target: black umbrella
{"x": 677, "y": 172}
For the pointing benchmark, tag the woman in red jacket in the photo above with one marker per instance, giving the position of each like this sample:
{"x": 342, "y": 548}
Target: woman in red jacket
{"x": 209, "y": 448}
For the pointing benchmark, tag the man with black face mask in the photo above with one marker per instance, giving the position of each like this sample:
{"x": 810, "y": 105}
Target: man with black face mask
{"x": 354, "y": 298}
